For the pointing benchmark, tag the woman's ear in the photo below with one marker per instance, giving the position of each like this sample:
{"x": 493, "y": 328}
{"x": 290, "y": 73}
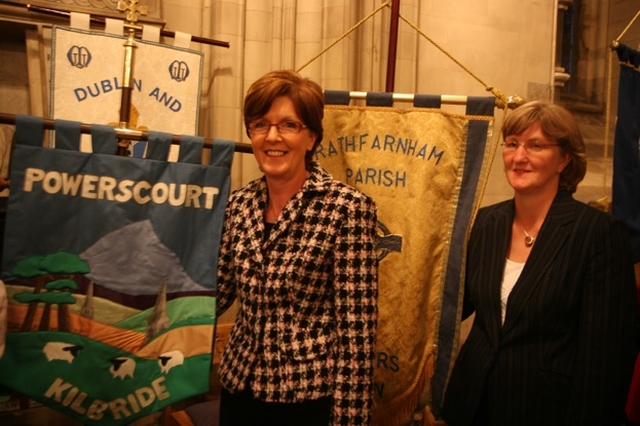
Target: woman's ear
{"x": 312, "y": 140}
{"x": 564, "y": 163}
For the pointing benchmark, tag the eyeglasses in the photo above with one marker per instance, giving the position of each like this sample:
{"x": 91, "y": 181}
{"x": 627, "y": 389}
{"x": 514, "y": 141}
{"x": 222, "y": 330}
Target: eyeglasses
{"x": 284, "y": 127}
{"x": 530, "y": 146}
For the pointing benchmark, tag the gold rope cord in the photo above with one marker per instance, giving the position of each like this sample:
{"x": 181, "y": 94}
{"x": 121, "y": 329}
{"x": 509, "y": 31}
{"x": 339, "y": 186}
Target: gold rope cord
{"x": 502, "y": 101}
{"x": 627, "y": 27}
{"x": 603, "y": 202}
{"x": 352, "y": 29}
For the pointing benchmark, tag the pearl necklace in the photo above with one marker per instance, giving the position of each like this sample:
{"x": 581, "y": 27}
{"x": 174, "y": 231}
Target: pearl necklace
{"x": 528, "y": 239}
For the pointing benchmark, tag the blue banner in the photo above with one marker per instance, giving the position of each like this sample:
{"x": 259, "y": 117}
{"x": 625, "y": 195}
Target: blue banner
{"x": 626, "y": 154}
{"x": 110, "y": 267}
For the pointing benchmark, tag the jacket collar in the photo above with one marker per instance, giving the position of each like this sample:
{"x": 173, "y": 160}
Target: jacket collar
{"x": 319, "y": 181}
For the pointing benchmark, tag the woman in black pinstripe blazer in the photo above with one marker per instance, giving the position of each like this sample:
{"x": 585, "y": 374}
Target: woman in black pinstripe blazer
{"x": 552, "y": 284}
{"x": 298, "y": 253}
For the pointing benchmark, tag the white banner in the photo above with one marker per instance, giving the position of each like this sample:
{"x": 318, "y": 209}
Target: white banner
{"x": 87, "y": 79}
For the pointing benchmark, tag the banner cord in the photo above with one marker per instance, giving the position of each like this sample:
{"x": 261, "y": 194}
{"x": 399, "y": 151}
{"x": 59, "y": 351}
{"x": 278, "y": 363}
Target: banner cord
{"x": 627, "y": 27}
{"x": 352, "y": 29}
{"x": 502, "y": 101}
{"x": 607, "y": 124}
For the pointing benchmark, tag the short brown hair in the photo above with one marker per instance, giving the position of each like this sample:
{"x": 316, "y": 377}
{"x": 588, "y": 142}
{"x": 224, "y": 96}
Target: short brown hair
{"x": 557, "y": 124}
{"x": 306, "y": 95}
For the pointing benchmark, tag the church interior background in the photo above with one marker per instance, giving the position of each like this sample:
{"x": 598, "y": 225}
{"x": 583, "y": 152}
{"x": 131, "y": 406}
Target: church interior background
{"x": 543, "y": 49}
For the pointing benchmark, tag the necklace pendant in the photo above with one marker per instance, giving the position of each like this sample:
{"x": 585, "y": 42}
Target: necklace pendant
{"x": 529, "y": 240}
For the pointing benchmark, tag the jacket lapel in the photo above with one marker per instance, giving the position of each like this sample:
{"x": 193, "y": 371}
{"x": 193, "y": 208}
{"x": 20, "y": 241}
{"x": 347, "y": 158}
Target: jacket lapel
{"x": 254, "y": 212}
{"x": 500, "y": 226}
{"x": 318, "y": 181}
{"x": 550, "y": 240}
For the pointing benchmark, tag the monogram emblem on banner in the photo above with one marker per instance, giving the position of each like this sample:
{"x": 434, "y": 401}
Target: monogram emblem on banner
{"x": 179, "y": 70}
{"x": 79, "y": 56}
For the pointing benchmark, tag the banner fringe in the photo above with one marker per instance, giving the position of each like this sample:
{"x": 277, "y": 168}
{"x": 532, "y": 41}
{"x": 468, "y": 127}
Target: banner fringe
{"x": 404, "y": 409}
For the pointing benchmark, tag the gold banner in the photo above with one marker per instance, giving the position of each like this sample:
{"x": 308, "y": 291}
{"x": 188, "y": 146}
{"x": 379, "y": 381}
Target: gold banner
{"x": 414, "y": 163}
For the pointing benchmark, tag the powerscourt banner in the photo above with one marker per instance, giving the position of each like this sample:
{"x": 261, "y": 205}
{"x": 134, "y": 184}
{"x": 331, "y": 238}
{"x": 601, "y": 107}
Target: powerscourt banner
{"x": 425, "y": 169}
{"x": 110, "y": 270}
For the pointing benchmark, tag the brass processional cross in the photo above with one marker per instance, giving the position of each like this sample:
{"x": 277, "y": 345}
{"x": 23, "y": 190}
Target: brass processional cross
{"x": 132, "y": 10}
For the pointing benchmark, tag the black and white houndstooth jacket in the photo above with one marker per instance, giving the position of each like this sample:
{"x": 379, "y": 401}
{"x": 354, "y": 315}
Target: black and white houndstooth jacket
{"x": 307, "y": 296}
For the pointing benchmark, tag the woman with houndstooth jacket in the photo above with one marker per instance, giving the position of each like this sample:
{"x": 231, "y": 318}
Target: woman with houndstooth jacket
{"x": 298, "y": 253}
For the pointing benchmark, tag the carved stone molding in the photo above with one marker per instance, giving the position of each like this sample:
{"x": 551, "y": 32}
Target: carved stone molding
{"x": 106, "y": 8}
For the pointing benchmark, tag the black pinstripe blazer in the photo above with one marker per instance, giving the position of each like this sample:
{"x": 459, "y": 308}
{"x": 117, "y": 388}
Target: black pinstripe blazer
{"x": 565, "y": 353}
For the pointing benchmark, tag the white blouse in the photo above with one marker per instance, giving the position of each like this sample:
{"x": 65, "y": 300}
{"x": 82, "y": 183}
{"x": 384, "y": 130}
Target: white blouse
{"x": 512, "y": 272}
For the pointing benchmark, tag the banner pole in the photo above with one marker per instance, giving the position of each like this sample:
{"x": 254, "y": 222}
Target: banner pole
{"x": 101, "y": 21}
{"x": 132, "y": 10}
{"x": 127, "y": 89}
{"x": 393, "y": 43}
{"x": 136, "y": 135}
